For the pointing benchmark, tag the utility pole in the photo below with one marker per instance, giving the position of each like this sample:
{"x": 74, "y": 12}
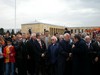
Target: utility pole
{"x": 15, "y": 16}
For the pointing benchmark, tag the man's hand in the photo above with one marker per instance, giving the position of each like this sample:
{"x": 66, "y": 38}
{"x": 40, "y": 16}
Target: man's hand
{"x": 73, "y": 46}
{"x": 42, "y": 55}
{"x": 96, "y": 59}
{"x": 70, "y": 54}
{"x": 28, "y": 57}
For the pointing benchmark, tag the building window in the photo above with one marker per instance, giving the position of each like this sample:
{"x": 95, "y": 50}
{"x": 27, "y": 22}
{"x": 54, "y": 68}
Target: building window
{"x": 75, "y": 30}
{"x": 71, "y": 30}
{"x": 82, "y": 30}
{"x": 44, "y": 30}
{"x": 78, "y": 30}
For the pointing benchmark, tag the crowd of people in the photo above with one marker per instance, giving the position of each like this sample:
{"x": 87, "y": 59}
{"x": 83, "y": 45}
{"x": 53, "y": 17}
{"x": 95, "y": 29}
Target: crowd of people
{"x": 42, "y": 54}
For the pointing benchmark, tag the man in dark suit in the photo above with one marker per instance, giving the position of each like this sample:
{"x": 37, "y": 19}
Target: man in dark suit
{"x": 80, "y": 54}
{"x": 21, "y": 55}
{"x": 30, "y": 53}
{"x": 90, "y": 54}
{"x": 53, "y": 50}
{"x": 39, "y": 55}
{"x": 96, "y": 64}
{"x": 1, "y": 59}
{"x": 64, "y": 49}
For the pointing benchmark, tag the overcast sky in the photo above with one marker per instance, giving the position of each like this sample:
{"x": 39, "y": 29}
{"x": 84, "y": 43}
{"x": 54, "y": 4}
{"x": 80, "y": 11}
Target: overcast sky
{"x": 60, "y": 12}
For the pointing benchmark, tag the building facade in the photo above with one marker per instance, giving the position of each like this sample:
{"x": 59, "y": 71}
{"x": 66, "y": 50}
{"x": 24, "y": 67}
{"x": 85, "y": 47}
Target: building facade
{"x": 41, "y": 27}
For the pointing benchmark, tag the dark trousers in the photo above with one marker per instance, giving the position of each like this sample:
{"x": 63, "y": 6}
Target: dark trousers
{"x": 53, "y": 69}
{"x": 61, "y": 67}
{"x": 1, "y": 66}
{"x": 30, "y": 66}
{"x": 68, "y": 68}
{"x": 40, "y": 68}
{"x": 22, "y": 67}
{"x": 96, "y": 69}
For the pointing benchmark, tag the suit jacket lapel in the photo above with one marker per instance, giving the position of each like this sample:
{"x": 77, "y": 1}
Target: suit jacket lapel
{"x": 37, "y": 44}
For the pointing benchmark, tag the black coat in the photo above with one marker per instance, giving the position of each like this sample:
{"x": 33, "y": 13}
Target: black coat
{"x": 21, "y": 51}
{"x": 80, "y": 61}
{"x": 64, "y": 49}
{"x": 90, "y": 52}
{"x": 30, "y": 49}
{"x": 96, "y": 49}
{"x": 96, "y": 65}
{"x": 21, "y": 58}
{"x": 38, "y": 50}
{"x": 54, "y": 54}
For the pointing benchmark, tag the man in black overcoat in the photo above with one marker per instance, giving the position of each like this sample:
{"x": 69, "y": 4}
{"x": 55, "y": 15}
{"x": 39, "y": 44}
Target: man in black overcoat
{"x": 96, "y": 63}
{"x": 21, "y": 55}
{"x": 39, "y": 55}
{"x": 64, "y": 49}
{"x": 80, "y": 55}
{"x": 30, "y": 54}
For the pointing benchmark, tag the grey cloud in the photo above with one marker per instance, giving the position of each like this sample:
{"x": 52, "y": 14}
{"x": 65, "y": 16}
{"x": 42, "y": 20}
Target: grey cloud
{"x": 10, "y": 3}
{"x": 76, "y": 13}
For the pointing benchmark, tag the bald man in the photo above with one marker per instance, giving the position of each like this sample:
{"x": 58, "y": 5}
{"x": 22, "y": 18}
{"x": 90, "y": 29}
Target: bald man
{"x": 89, "y": 45}
{"x": 53, "y": 56}
{"x": 64, "y": 49}
{"x": 96, "y": 46}
{"x": 30, "y": 52}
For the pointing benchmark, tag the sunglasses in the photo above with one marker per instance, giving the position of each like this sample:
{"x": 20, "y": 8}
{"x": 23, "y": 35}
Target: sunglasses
{"x": 52, "y": 39}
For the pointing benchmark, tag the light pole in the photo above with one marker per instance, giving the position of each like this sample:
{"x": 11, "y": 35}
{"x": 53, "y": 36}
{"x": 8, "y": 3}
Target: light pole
{"x": 15, "y": 16}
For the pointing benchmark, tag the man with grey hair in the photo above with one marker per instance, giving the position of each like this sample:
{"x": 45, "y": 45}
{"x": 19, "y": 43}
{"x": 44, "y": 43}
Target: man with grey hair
{"x": 88, "y": 41}
{"x": 33, "y": 36}
{"x": 53, "y": 56}
{"x": 90, "y": 53}
{"x": 67, "y": 36}
{"x": 39, "y": 55}
{"x": 61, "y": 37}
{"x": 96, "y": 46}
{"x": 83, "y": 35}
{"x": 64, "y": 50}
{"x": 30, "y": 52}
